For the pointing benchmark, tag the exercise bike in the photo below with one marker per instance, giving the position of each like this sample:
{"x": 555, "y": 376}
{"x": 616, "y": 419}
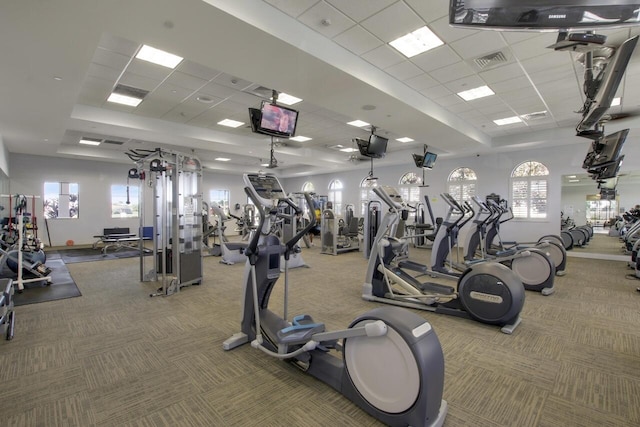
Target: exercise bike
{"x": 391, "y": 365}
{"x": 488, "y": 292}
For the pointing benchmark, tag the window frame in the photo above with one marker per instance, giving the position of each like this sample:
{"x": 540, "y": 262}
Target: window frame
{"x": 63, "y": 190}
{"x": 536, "y": 172}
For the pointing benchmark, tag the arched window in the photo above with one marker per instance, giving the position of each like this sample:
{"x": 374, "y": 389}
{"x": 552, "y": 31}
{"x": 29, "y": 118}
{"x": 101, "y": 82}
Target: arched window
{"x": 529, "y": 190}
{"x": 335, "y": 195}
{"x": 461, "y": 184}
{"x": 408, "y": 188}
{"x": 366, "y": 185}
{"x": 308, "y": 187}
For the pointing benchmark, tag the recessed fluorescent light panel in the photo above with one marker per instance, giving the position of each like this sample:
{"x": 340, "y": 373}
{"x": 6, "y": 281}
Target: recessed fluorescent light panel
{"x": 417, "y": 42}
{"x": 475, "y": 93}
{"x": 287, "y": 99}
{"x": 230, "y": 123}
{"x": 90, "y": 141}
{"x": 574, "y": 180}
{"x": 616, "y": 102}
{"x": 358, "y": 123}
{"x": 404, "y": 139}
{"x": 222, "y": 159}
{"x": 264, "y": 164}
{"x": 508, "y": 121}
{"x": 124, "y": 100}
{"x": 300, "y": 138}
{"x": 157, "y": 56}
{"x": 349, "y": 149}
{"x": 127, "y": 95}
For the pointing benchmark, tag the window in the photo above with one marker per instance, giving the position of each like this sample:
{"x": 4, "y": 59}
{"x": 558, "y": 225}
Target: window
{"x": 529, "y": 190}
{"x": 335, "y": 195}
{"x": 222, "y": 198}
{"x": 60, "y": 200}
{"x": 365, "y": 192}
{"x": 409, "y": 189}
{"x": 124, "y": 201}
{"x": 461, "y": 184}
{"x": 308, "y": 187}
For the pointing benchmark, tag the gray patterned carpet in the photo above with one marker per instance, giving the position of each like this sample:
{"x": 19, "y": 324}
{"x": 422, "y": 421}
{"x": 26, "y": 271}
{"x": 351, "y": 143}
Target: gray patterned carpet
{"x": 116, "y": 357}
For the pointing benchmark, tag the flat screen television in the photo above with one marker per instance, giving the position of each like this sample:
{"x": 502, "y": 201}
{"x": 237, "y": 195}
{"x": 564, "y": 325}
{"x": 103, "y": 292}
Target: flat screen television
{"x": 254, "y": 118}
{"x": 607, "y": 81}
{"x": 418, "y": 159}
{"x": 595, "y": 149}
{"x": 608, "y": 184}
{"x": 429, "y": 160}
{"x": 377, "y": 147}
{"x": 607, "y": 194}
{"x": 611, "y": 147}
{"x": 276, "y": 120}
{"x": 610, "y": 170}
{"x": 543, "y": 14}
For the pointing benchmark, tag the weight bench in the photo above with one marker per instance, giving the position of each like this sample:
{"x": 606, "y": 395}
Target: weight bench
{"x": 118, "y": 238}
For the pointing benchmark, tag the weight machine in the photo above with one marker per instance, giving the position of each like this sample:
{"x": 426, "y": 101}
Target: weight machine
{"x": 175, "y": 180}
{"x": 26, "y": 251}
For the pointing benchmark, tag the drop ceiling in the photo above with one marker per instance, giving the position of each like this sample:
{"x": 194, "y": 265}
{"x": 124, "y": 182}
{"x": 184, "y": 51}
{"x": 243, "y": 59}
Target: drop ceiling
{"x": 61, "y": 60}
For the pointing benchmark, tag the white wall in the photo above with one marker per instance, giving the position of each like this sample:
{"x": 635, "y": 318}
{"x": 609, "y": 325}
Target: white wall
{"x": 28, "y": 174}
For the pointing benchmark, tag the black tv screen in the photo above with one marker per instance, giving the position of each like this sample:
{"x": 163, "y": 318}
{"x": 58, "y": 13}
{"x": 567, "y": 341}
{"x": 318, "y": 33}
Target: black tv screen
{"x": 377, "y": 147}
{"x": 607, "y": 194}
{"x": 429, "y": 160}
{"x": 276, "y": 120}
{"x": 254, "y": 118}
{"x": 596, "y": 148}
{"x": 611, "y": 147}
{"x": 418, "y": 159}
{"x": 543, "y": 14}
{"x": 608, "y": 81}
{"x": 610, "y": 170}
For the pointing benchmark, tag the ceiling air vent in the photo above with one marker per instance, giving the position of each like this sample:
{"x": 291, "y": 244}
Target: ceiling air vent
{"x": 133, "y": 92}
{"x": 491, "y": 60}
{"x": 534, "y": 116}
{"x": 111, "y": 141}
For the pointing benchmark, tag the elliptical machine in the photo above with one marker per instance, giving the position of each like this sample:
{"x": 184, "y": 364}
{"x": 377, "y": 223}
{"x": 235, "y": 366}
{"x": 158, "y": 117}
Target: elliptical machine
{"x": 488, "y": 292}
{"x": 392, "y": 364}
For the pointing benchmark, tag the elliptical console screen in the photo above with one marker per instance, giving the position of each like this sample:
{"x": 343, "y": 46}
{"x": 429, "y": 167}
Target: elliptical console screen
{"x": 266, "y": 187}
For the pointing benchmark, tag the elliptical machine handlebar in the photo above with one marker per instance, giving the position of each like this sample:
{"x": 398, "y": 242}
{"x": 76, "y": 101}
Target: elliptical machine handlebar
{"x": 252, "y": 248}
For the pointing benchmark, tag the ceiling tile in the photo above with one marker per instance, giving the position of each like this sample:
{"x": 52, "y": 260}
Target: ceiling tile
{"x": 465, "y": 83}
{"x": 449, "y": 100}
{"x": 185, "y": 81}
{"x": 551, "y": 60}
{"x": 95, "y": 91}
{"x": 119, "y": 45}
{"x": 231, "y": 81}
{"x": 110, "y": 59}
{"x": 423, "y": 81}
{"x": 102, "y": 72}
{"x": 436, "y": 92}
{"x": 148, "y": 69}
{"x": 383, "y": 57}
{"x": 359, "y": 10}
{"x": 217, "y": 90}
{"x": 429, "y": 10}
{"x": 447, "y": 33}
{"x": 480, "y": 43}
{"x": 197, "y": 70}
{"x": 499, "y": 74}
{"x": 436, "y": 58}
{"x": 511, "y": 85}
{"x": 404, "y": 70}
{"x": 452, "y": 72}
{"x": 393, "y": 22}
{"x": 140, "y": 82}
{"x": 357, "y": 40}
{"x": 292, "y": 7}
{"x": 326, "y": 19}
{"x": 533, "y": 47}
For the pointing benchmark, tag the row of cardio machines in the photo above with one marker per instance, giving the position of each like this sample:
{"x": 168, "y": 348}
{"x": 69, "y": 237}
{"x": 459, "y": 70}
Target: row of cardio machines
{"x": 388, "y": 361}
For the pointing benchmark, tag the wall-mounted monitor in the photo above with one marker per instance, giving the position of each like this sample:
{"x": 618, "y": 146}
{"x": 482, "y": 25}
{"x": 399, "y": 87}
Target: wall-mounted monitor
{"x": 611, "y": 147}
{"x": 429, "y": 160}
{"x": 276, "y": 120}
{"x": 418, "y": 159}
{"x": 377, "y": 147}
{"x": 538, "y": 15}
{"x": 607, "y": 82}
{"x": 610, "y": 170}
{"x": 607, "y": 194}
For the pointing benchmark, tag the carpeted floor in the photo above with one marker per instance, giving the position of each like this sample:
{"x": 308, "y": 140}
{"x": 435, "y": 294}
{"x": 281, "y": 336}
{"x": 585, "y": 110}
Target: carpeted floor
{"x": 116, "y": 357}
